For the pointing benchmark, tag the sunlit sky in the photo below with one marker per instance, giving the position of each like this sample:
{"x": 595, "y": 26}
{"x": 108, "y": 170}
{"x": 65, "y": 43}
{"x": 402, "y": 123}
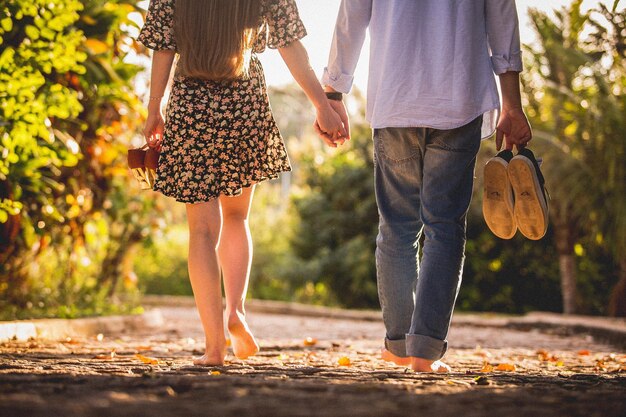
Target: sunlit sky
{"x": 319, "y": 18}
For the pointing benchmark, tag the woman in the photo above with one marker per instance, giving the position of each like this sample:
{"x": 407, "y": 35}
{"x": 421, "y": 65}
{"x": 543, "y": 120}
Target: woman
{"x": 219, "y": 138}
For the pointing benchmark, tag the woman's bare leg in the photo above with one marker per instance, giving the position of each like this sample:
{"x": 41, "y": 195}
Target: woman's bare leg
{"x": 204, "y": 272}
{"x": 235, "y": 255}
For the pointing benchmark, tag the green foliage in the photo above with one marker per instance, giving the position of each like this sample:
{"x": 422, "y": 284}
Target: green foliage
{"x": 337, "y": 222}
{"x": 273, "y": 262}
{"x": 67, "y": 115}
{"x": 161, "y": 266}
{"x": 576, "y": 87}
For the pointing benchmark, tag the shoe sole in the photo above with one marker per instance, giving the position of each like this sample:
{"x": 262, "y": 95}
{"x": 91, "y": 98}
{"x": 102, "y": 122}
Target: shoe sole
{"x": 531, "y": 209}
{"x": 498, "y": 199}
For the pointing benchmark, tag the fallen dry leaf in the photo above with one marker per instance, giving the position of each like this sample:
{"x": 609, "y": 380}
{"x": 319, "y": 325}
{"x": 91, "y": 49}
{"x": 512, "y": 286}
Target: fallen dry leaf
{"x": 148, "y": 360}
{"x": 486, "y": 367}
{"x": 215, "y": 373}
{"x": 584, "y": 352}
{"x": 545, "y": 356}
{"x": 310, "y": 341}
{"x": 506, "y": 367}
{"x": 344, "y": 361}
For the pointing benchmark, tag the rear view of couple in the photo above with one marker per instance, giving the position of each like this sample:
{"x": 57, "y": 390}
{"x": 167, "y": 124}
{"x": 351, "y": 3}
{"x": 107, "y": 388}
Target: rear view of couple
{"x": 432, "y": 96}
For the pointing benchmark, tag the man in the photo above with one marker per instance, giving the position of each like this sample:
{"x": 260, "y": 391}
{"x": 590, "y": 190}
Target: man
{"x": 431, "y": 97}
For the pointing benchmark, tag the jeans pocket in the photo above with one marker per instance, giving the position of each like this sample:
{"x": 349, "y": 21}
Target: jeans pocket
{"x": 462, "y": 139}
{"x": 396, "y": 144}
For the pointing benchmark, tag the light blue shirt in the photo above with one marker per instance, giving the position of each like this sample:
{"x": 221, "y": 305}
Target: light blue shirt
{"x": 432, "y": 62}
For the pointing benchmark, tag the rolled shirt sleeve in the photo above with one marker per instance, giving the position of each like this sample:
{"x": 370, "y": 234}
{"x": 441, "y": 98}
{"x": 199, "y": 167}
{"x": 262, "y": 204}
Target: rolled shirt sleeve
{"x": 503, "y": 35}
{"x": 352, "y": 22}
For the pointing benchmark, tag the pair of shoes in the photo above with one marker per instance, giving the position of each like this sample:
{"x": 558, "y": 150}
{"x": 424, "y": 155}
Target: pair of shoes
{"x": 143, "y": 162}
{"x": 515, "y": 196}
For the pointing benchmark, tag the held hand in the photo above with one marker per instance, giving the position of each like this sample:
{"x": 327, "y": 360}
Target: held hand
{"x": 153, "y": 130}
{"x": 514, "y": 128}
{"x": 340, "y": 108}
{"x": 329, "y": 125}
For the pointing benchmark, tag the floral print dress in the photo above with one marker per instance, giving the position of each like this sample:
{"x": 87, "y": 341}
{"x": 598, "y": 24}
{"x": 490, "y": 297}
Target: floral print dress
{"x": 220, "y": 136}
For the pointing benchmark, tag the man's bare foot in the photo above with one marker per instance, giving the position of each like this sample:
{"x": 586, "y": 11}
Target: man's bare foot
{"x": 426, "y": 365}
{"x": 242, "y": 340}
{"x": 398, "y": 360}
{"x": 209, "y": 360}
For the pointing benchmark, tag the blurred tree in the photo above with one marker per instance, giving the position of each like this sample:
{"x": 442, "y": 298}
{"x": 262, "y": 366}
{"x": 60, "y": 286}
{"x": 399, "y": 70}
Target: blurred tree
{"x": 575, "y": 89}
{"x": 67, "y": 115}
{"x": 337, "y": 222}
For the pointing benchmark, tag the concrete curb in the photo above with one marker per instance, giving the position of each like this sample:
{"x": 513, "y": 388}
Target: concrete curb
{"x": 56, "y": 329}
{"x": 610, "y": 330}
{"x": 270, "y": 307}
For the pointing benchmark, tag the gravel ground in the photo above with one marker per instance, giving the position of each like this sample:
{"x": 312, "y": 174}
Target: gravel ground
{"x": 311, "y": 367}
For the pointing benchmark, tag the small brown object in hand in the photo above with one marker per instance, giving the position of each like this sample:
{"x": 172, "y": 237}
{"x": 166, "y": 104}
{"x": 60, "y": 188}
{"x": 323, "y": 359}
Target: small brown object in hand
{"x": 143, "y": 162}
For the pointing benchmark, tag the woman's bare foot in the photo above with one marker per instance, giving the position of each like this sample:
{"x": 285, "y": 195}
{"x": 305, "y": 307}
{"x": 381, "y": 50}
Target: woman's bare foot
{"x": 426, "y": 365}
{"x": 398, "y": 360}
{"x": 209, "y": 359}
{"x": 242, "y": 340}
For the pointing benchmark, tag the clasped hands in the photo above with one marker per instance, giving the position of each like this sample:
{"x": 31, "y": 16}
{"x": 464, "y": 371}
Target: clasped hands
{"x": 332, "y": 124}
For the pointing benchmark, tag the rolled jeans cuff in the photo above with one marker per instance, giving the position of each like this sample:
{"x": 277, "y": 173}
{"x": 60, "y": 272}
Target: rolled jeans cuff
{"x": 397, "y": 347}
{"x": 425, "y": 347}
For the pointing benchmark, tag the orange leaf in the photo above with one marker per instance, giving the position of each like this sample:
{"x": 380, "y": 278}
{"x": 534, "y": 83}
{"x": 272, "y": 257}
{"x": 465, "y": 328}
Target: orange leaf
{"x": 215, "y": 373}
{"x": 506, "y": 367}
{"x": 148, "y": 360}
{"x": 584, "y": 352}
{"x": 310, "y": 341}
{"x": 486, "y": 367}
{"x": 96, "y": 46}
{"x": 543, "y": 355}
{"x": 344, "y": 361}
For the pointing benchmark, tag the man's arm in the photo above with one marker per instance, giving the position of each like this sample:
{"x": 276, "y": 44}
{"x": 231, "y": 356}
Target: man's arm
{"x": 352, "y": 22}
{"x": 513, "y": 125}
{"x": 504, "y": 42}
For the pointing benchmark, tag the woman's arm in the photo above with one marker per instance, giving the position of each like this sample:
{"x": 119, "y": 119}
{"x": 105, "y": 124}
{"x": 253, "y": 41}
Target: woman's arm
{"x": 161, "y": 68}
{"x": 297, "y": 60}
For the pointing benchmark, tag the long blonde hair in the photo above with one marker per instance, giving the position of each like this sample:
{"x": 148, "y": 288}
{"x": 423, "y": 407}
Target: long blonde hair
{"x": 215, "y": 37}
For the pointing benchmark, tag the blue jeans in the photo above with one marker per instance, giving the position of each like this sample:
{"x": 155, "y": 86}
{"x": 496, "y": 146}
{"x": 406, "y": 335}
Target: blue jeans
{"x": 424, "y": 180}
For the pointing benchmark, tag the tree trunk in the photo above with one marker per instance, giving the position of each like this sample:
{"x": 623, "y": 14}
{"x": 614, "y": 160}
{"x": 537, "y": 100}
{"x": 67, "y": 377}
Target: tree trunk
{"x": 567, "y": 267}
{"x": 617, "y": 301}
{"x": 565, "y": 239}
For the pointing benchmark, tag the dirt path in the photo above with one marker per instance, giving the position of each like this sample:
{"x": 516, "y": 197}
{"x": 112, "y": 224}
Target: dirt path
{"x": 529, "y": 373}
